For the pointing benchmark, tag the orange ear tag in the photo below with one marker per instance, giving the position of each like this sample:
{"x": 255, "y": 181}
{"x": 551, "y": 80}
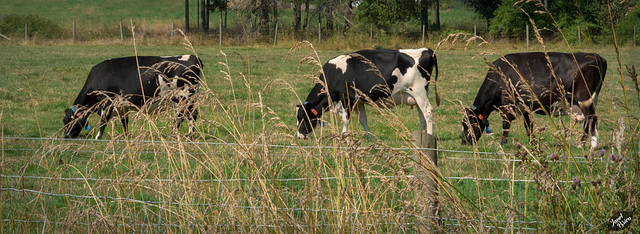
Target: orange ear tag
{"x": 314, "y": 111}
{"x": 480, "y": 117}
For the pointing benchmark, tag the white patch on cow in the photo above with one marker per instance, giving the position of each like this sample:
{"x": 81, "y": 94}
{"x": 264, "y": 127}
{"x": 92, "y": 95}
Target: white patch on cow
{"x": 340, "y": 111}
{"x": 414, "y": 53}
{"x": 586, "y": 103}
{"x": 185, "y": 58}
{"x": 594, "y": 139}
{"x": 341, "y": 62}
{"x": 297, "y": 121}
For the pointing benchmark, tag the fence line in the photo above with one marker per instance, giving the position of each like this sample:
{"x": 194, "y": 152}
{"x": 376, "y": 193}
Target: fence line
{"x": 261, "y": 180}
{"x": 290, "y": 225}
{"x": 279, "y": 146}
{"x": 254, "y": 145}
{"x": 583, "y": 159}
{"x": 258, "y": 208}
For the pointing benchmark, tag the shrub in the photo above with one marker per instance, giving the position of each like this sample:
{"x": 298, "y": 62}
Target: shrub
{"x": 37, "y": 26}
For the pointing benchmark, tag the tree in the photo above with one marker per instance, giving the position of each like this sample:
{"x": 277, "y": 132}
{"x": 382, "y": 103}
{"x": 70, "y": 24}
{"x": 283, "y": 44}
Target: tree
{"x": 424, "y": 14}
{"x": 384, "y": 13}
{"x": 297, "y": 4}
{"x": 486, "y": 8}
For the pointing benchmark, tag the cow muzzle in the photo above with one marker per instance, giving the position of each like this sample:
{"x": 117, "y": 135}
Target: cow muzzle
{"x": 302, "y": 136}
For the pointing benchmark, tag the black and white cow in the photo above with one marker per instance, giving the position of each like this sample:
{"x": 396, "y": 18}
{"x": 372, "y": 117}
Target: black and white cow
{"x": 533, "y": 86}
{"x": 138, "y": 79}
{"x": 398, "y": 76}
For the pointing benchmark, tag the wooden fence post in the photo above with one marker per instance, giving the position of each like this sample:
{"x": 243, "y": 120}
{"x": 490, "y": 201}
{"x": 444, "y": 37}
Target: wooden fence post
{"x": 527, "y": 36}
{"x": 579, "y": 38}
{"x": 426, "y": 162}
{"x": 319, "y": 34}
{"x": 424, "y": 31}
{"x": 475, "y": 34}
{"x": 121, "y": 32}
{"x": 371, "y": 35}
{"x": 275, "y": 36}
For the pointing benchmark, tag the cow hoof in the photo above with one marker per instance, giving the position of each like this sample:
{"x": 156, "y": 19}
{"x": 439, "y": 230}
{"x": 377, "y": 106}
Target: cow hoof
{"x": 368, "y": 136}
{"x": 503, "y": 141}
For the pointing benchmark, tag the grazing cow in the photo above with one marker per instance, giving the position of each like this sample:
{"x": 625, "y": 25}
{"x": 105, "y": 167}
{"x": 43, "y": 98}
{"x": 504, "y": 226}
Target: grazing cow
{"x": 350, "y": 80}
{"x": 139, "y": 80}
{"x": 574, "y": 81}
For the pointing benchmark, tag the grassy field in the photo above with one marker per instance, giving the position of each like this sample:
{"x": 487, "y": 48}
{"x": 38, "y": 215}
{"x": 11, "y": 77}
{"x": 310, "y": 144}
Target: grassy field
{"x": 242, "y": 185}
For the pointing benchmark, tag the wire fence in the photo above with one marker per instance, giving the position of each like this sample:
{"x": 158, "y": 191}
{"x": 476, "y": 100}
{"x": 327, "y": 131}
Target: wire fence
{"x": 18, "y": 188}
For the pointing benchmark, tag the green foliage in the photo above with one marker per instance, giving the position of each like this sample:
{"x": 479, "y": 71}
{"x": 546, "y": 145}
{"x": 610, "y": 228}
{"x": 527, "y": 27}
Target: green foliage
{"x": 485, "y": 8}
{"x": 592, "y": 16}
{"x": 626, "y": 23}
{"x": 37, "y": 26}
{"x": 384, "y": 13}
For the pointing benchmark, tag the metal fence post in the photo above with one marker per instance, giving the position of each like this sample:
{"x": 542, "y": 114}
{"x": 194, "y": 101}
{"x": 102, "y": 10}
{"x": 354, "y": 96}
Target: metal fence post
{"x": 25, "y": 33}
{"x": 74, "y": 31}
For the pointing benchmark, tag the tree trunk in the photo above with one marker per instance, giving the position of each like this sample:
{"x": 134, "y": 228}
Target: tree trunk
{"x": 348, "y": 14}
{"x": 329, "y": 14}
{"x": 306, "y": 15}
{"x": 204, "y": 19}
{"x": 186, "y": 16}
{"x": 296, "y": 15}
{"x": 436, "y": 14}
{"x": 424, "y": 19}
{"x": 264, "y": 14}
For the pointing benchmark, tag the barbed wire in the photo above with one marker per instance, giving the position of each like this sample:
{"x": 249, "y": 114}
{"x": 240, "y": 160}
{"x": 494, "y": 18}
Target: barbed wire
{"x": 254, "y": 145}
{"x": 282, "y": 224}
{"x": 258, "y": 207}
{"x": 582, "y": 159}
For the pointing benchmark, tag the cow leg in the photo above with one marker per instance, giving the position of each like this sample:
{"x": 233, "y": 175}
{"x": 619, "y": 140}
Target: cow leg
{"x": 590, "y": 126}
{"x": 507, "y": 117}
{"x": 192, "y": 116}
{"x": 362, "y": 116}
{"x": 124, "y": 120}
{"x": 340, "y": 110}
{"x": 424, "y": 112}
{"x": 105, "y": 115}
{"x": 528, "y": 125}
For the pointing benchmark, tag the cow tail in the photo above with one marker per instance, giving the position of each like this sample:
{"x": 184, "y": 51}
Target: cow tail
{"x": 435, "y": 86}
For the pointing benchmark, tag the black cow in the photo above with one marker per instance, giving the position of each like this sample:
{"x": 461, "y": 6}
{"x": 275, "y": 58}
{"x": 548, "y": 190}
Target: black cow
{"x": 533, "y": 86}
{"x": 138, "y": 79}
{"x": 348, "y": 81}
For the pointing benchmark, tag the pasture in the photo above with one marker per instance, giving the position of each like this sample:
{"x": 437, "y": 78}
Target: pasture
{"x": 246, "y": 171}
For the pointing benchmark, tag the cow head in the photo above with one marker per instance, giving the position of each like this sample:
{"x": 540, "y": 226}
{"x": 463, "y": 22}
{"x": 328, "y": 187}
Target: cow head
{"x": 473, "y": 124}
{"x": 74, "y": 121}
{"x": 308, "y": 118}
